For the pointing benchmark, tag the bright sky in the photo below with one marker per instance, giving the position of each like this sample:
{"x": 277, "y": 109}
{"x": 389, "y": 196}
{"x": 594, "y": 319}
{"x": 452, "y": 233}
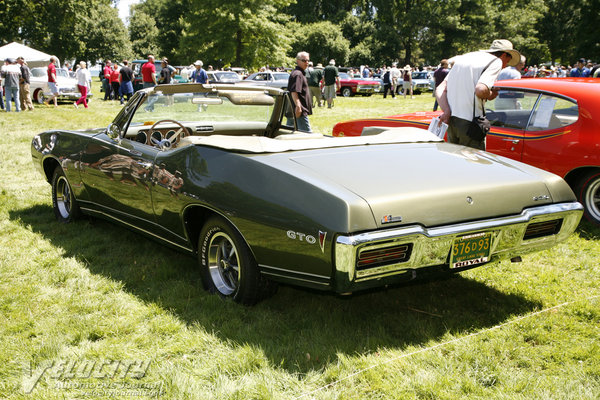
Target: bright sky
{"x": 124, "y": 8}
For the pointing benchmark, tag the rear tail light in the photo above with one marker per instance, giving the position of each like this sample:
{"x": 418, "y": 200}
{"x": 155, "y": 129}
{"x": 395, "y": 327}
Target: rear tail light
{"x": 383, "y": 256}
{"x": 541, "y": 229}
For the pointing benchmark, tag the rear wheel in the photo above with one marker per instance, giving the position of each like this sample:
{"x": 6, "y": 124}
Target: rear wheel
{"x": 227, "y": 265}
{"x": 588, "y": 193}
{"x": 64, "y": 204}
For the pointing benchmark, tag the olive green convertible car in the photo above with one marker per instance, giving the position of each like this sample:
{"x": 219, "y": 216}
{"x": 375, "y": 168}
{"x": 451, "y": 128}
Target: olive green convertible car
{"x": 221, "y": 172}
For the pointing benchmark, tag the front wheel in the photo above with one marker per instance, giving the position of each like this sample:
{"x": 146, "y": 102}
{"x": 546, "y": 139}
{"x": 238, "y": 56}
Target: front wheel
{"x": 227, "y": 265}
{"x": 588, "y": 193}
{"x": 64, "y": 204}
{"x": 38, "y": 96}
{"x": 346, "y": 92}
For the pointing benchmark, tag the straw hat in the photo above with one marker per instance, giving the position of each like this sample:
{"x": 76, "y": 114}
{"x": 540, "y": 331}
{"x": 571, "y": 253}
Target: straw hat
{"x": 507, "y": 47}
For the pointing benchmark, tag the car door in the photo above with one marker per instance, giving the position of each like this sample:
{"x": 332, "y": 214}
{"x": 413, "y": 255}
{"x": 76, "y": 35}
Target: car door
{"x": 509, "y": 113}
{"x": 551, "y": 133}
{"x": 117, "y": 175}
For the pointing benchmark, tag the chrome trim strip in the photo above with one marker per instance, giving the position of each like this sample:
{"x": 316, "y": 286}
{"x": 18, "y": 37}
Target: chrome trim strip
{"x": 295, "y": 272}
{"x": 525, "y": 216}
{"x": 296, "y": 279}
{"x": 94, "y": 211}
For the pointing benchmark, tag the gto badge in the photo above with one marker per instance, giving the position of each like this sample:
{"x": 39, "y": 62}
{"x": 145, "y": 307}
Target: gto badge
{"x": 388, "y": 219}
{"x": 310, "y": 239}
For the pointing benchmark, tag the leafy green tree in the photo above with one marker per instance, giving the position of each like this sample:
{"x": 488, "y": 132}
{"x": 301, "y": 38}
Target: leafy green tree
{"x": 309, "y": 11}
{"x": 143, "y": 33}
{"x": 248, "y": 33}
{"x": 360, "y": 30}
{"x": 517, "y": 21}
{"x": 156, "y": 26}
{"x": 82, "y": 29}
{"x": 323, "y": 40}
{"x": 566, "y": 28}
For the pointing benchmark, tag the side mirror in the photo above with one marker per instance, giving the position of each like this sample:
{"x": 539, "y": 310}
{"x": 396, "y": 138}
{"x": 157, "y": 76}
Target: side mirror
{"x": 113, "y": 131}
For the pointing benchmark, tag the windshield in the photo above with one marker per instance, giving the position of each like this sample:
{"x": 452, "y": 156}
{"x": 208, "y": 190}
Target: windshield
{"x": 232, "y": 76}
{"x": 227, "y": 106}
{"x": 281, "y": 76}
{"x": 420, "y": 75}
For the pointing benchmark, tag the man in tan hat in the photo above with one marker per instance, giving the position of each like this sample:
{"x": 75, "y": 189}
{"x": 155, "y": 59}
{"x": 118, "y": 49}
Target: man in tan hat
{"x": 468, "y": 85}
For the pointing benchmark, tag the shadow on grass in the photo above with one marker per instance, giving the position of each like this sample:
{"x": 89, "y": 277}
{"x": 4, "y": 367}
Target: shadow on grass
{"x": 299, "y": 330}
{"x": 588, "y": 231}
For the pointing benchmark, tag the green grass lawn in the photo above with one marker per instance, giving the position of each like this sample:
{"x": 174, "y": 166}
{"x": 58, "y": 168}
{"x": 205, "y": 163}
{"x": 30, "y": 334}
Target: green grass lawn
{"x": 92, "y": 310}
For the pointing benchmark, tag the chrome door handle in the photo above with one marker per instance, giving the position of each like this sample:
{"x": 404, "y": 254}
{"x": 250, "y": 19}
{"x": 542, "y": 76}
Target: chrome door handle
{"x": 513, "y": 141}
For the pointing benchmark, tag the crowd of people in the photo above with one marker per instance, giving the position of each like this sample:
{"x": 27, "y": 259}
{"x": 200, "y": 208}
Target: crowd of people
{"x": 323, "y": 82}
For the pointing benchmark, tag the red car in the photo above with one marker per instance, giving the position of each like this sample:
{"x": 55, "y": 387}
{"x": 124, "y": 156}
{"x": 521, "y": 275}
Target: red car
{"x": 351, "y": 86}
{"x": 550, "y": 123}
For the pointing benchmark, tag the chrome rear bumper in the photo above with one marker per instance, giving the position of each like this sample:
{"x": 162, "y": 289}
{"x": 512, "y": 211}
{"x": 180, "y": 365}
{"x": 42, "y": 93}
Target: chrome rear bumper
{"x": 432, "y": 246}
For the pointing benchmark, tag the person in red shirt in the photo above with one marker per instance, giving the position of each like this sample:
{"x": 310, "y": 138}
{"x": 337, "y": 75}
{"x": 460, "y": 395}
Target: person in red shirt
{"x": 115, "y": 72}
{"x": 106, "y": 81}
{"x": 149, "y": 73}
{"x": 52, "y": 81}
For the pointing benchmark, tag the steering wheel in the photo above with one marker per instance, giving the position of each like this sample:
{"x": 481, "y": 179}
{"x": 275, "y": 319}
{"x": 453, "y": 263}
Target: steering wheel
{"x": 182, "y": 132}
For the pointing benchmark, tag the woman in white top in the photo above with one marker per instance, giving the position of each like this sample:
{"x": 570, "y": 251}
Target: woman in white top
{"x": 84, "y": 83}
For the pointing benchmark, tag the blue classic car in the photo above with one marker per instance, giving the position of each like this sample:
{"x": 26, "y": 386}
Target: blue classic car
{"x": 222, "y": 173}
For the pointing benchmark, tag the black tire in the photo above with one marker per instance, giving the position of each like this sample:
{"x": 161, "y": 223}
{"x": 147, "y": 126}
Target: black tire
{"x": 346, "y": 92}
{"x": 227, "y": 265}
{"x": 64, "y": 203}
{"x": 588, "y": 194}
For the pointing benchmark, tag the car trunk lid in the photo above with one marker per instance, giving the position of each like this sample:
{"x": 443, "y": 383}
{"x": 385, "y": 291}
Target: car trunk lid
{"x": 429, "y": 184}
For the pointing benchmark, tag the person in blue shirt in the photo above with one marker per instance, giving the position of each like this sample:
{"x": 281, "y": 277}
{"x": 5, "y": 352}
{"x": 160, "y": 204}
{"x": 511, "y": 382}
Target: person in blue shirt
{"x": 580, "y": 71}
{"x": 199, "y": 75}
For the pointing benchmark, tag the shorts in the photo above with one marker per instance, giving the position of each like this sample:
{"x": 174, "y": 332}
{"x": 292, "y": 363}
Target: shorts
{"x": 406, "y": 85}
{"x": 52, "y": 87}
{"x": 329, "y": 91}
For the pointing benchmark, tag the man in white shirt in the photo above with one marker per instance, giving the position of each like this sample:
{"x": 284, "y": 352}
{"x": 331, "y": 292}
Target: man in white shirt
{"x": 469, "y": 83}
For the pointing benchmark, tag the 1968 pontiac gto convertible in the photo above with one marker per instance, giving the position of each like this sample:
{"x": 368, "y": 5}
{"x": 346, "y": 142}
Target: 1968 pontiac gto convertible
{"x": 222, "y": 173}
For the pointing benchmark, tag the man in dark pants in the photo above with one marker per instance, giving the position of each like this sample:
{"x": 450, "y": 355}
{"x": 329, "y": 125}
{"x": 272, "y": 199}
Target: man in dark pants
{"x": 298, "y": 87}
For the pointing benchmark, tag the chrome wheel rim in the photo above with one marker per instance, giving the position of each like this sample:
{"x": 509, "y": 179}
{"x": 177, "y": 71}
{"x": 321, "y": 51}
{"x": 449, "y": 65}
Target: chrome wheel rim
{"x": 223, "y": 263}
{"x": 592, "y": 199}
{"x": 63, "y": 197}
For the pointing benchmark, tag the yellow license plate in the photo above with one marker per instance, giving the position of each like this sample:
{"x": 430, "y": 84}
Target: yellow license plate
{"x": 471, "y": 250}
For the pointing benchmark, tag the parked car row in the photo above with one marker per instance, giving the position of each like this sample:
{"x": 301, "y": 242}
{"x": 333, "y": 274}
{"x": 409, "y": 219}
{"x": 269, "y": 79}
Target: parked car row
{"x": 422, "y": 81}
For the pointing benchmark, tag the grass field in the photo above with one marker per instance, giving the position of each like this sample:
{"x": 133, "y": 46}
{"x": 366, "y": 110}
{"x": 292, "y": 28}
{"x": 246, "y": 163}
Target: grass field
{"x": 92, "y": 310}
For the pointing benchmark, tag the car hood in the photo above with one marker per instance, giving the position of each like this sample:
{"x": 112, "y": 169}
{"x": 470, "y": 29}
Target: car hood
{"x": 431, "y": 184}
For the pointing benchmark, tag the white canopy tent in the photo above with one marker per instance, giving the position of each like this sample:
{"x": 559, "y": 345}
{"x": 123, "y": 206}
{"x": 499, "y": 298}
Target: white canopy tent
{"x": 34, "y": 58}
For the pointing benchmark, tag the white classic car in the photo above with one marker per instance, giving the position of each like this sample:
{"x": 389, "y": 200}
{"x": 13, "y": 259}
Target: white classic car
{"x": 67, "y": 86}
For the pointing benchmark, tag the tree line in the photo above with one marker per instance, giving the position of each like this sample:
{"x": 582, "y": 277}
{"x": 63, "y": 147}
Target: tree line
{"x": 253, "y": 33}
